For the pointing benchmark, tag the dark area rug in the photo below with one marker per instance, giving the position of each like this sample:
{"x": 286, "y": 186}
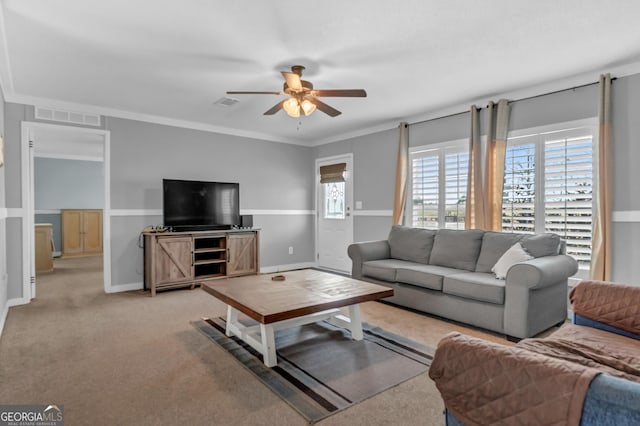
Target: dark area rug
{"x": 320, "y": 370}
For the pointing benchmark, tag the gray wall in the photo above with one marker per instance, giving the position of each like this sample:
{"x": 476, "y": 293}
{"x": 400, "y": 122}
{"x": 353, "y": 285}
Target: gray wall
{"x": 3, "y": 231}
{"x": 66, "y": 184}
{"x": 375, "y": 157}
{"x": 276, "y": 176}
{"x": 13, "y": 114}
{"x": 272, "y": 176}
{"x": 374, "y": 162}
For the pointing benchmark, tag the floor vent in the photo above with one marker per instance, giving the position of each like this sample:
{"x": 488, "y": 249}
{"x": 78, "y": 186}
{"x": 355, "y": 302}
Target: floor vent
{"x": 226, "y": 102}
{"x": 67, "y": 116}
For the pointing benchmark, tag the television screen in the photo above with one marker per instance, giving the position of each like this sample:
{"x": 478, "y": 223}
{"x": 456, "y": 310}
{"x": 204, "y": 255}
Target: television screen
{"x": 193, "y": 205}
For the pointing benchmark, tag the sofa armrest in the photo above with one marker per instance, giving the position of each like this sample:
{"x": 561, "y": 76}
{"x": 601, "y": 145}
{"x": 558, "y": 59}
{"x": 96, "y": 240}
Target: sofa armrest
{"x": 365, "y": 251}
{"x": 536, "y": 294}
{"x": 542, "y": 271}
{"x": 615, "y": 305}
{"x": 482, "y": 382}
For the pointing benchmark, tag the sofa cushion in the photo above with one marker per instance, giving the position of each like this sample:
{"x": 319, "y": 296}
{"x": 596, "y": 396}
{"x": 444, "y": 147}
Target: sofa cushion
{"x": 413, "y": 244}
{"x": 383, "y": 269}
{"x": 494, "y": 245}
{"x": 426, "y": 276}
{"x": 540, "y": 245}
{"x": 456, "y": 249}
{"x": 476, "y": 286}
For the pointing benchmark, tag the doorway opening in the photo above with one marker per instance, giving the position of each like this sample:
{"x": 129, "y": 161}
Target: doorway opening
{"x": 66, "y": 189}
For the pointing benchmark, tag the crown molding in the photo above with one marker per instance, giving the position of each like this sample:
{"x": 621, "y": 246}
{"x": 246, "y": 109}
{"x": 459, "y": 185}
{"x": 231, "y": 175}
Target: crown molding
{"x": 566, "y": 83}
{"x": 621, "y": 70}
{"x": 149, "y": 118}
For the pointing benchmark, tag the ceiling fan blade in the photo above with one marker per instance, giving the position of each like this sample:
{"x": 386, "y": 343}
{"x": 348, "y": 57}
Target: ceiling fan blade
{"x": 253, "y": 93}
{"x": 345, "y": 93}
{"x": 277, "y": 107}
{"x": 292, "y": 79}
{"x": 329, "y": 110}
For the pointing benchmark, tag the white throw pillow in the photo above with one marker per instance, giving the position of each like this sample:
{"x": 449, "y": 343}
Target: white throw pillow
{"x": 515, "y": 254}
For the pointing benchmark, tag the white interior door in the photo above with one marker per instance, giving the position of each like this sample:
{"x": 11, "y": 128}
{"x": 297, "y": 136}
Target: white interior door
{"x": 335, "y": 222}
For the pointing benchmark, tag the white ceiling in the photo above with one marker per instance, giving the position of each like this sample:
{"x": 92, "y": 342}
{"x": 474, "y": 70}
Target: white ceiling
{"x": 169, "y": 61}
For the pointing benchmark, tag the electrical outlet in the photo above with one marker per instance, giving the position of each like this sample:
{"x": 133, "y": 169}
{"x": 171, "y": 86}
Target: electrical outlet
{"x": 290, "y": 250}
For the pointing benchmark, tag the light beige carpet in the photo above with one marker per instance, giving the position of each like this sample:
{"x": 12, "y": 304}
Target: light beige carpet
{"x": 128, "y": 358}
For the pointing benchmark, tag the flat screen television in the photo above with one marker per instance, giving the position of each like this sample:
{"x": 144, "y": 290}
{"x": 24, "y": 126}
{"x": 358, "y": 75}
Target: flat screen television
{"x": 189, "y": 205}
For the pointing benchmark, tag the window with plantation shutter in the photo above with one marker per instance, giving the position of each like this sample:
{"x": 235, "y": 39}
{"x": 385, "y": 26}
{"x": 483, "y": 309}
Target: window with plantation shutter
{"x": 518, "y": 201}
{"x": 439, "y": 185}
{"x": 548, "y": 187}
{"x": 568, "y": 193}
{"x": 456, "y": 170}
{"x": 425, "y": 190}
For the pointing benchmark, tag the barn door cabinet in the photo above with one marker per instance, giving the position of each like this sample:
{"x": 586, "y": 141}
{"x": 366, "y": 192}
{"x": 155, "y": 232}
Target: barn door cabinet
{"x": 184, "y": 259}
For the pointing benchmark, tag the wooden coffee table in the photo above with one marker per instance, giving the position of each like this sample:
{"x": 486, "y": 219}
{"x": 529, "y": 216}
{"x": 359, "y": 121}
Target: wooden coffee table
{"x": 304, "y": 297}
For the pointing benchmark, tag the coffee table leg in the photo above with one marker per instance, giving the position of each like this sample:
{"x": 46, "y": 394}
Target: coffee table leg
{"x": 355, "y": 322}
{"x": 268, "y": 345}
{"x": 232, "y": 319}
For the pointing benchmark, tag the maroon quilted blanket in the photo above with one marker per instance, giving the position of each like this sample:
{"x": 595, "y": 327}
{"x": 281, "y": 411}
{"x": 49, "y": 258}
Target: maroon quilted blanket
{"x": 616, "y": 305}
{"x": 539, "y": 381}
{"x": 484, "y": 383}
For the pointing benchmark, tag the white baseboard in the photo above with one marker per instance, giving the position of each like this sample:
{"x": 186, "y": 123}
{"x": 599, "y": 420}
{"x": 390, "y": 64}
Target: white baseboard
{"x": 290, "y": 267}
{"x": 126, "y": 287}
{"x": 17, "y": 301}
{"x": 263, "y": 270}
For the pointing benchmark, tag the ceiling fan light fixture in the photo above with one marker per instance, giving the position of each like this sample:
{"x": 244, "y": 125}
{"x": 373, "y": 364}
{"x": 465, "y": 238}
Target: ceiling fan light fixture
{"x": 292, "y": 107}
{"x": 307, "y": 107}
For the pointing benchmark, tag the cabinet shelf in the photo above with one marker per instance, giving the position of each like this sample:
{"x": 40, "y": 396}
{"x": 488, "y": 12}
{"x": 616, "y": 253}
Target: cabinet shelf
{"x": 210, "y": 250}
{"x": 208, "y": 261}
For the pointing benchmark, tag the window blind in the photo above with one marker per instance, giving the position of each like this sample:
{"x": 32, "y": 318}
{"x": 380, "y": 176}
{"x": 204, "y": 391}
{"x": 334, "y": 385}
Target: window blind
{"x": 569, "y": 192}
{"x": 332, "y": 173}
{"x": 518, "y": 200}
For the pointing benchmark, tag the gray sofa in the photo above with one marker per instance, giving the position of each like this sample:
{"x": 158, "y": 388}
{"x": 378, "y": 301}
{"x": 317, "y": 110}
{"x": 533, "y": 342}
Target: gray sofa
{"x": 448, "y": 273}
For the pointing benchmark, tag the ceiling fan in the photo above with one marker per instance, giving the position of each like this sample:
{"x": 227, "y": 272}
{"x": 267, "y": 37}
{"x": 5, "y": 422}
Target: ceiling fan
{"x": 303, "y": 98}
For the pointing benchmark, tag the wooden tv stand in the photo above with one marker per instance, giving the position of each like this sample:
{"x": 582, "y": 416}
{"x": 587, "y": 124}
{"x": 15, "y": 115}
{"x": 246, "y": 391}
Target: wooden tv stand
{"x": 184, "y": 259}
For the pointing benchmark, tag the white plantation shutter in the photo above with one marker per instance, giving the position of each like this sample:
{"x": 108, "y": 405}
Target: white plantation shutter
{"x": 439, "y": 186}
{"x": 518, "y": 200}
{"x": 456, "y": 169}
{"x": 568, "y": 193}
{"x": 425, "y": 196}
{"x": 548, "y": 187}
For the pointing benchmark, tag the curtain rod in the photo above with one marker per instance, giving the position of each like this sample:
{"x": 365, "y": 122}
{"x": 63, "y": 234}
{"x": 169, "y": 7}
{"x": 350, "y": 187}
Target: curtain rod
{"x": 515, "y": 100}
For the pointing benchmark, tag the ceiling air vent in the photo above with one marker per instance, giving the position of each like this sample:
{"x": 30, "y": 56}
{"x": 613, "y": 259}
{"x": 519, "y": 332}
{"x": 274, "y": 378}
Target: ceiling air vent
{"x": 226, "y": 102}
{"x": 67, "y": 116}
